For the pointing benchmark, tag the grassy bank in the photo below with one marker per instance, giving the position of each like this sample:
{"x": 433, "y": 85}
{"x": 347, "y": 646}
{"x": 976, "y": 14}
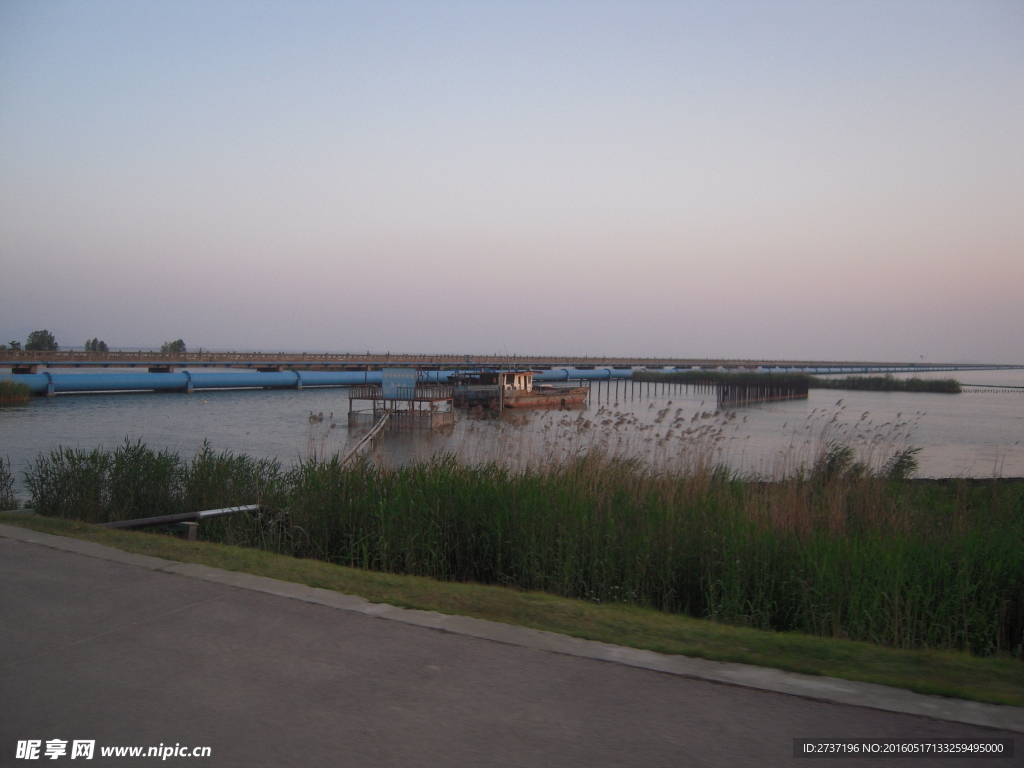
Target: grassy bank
{"x": 995, "y": 680}
{"x": 836, "y": 551}
{"x": 12, "y": 393}
{"x": 888, "y": 383}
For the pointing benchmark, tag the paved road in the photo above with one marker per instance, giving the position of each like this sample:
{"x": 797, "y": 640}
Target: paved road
{"x": 101, "y": 650}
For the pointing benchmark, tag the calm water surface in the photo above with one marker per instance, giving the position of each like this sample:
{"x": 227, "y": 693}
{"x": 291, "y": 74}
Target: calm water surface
{"x": 978, "y": 433}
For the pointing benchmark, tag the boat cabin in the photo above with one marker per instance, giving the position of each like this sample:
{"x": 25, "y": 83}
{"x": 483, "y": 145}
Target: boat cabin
{"x": 513, "y": 389}
{"x": 508, "y": 381}
{"x": 519, "y": 381}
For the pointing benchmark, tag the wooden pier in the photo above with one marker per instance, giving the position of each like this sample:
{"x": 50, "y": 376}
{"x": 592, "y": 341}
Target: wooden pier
{"x": 735, "y": 389}
{"x": 427, "y": 406}
{"x": 740, "y": 393}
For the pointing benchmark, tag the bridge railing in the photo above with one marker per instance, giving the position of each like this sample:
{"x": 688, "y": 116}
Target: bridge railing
{"x": 268, "y": 359}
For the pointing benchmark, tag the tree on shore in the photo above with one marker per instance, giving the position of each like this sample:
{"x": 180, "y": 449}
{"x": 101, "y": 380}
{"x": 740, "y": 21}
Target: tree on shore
{"x": 15, "y": 346}
{"x": 175, "y": 348}
{"x": 41, "y": 341}
{"x": 96, "y": 346}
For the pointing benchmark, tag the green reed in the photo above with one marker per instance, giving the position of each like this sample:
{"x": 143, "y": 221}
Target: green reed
{"x": 7, "y": 498}
{"x": 12, "y": 393}
{"x": 836, "y": 549}
{"x": 133, "y": 481}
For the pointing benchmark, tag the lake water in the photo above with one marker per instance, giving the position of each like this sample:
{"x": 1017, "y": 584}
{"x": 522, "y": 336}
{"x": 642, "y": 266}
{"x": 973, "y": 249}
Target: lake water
{"x": 979, "y": 433}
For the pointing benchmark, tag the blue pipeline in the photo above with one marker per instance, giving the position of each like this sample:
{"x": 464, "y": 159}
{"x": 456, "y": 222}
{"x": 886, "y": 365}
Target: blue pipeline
{"x": 555, "y": 374}
{"x": 186, "y": 381}
{"x": 51, "y": 383}
{"x": 598, "y": 374}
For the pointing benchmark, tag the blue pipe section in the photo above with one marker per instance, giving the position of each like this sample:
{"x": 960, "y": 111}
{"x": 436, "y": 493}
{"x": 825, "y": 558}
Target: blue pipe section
{"x": 183, "y": 381}
{"x": 187, "y": 380}
{"x": 555, "y": 374}
{"x": 573, "y": 374}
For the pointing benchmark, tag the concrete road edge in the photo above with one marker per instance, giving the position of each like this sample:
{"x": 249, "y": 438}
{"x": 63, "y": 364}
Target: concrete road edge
{"x": 827, "y": 689}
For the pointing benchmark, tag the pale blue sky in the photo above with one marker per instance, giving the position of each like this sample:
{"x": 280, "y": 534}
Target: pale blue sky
{"x": 813, "y": 180}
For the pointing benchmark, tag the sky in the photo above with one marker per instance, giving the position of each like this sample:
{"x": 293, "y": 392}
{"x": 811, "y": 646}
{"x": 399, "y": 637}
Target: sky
{"x": 763, "y": 180}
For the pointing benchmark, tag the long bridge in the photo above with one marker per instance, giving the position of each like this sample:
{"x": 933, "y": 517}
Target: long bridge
{"x": 24, "y": 362}
{"x": 190, "y": 372}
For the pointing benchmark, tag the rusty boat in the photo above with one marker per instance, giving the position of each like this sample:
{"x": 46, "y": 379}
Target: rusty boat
{"x": 513, "y": 389}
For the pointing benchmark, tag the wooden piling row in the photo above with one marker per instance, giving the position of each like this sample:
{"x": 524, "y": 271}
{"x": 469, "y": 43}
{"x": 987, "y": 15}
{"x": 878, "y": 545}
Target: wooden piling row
{"x": 746, "y": 393}
{"x": 732, "y": 389}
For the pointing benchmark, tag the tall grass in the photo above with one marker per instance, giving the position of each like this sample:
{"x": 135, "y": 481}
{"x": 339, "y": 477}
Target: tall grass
{"x": 7, "y": 498}
{"x": 13, "y": 393}
{"x": 838, "y": 547}
{"x": 133, "y": 481}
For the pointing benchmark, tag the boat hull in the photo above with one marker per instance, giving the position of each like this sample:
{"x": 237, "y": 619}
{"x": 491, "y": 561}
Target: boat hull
{"x": 560, "y": 398}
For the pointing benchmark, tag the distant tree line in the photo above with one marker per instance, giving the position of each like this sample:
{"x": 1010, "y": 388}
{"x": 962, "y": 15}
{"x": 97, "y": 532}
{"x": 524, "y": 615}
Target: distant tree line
{"x": 38, "y": 341}
{"x": 41, "y": 341}
{"x": 175, "y": 348}
{"x": 44, "y": 341}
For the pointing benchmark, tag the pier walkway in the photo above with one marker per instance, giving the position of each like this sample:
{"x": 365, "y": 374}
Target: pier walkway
{"x": 102, "y": 645}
